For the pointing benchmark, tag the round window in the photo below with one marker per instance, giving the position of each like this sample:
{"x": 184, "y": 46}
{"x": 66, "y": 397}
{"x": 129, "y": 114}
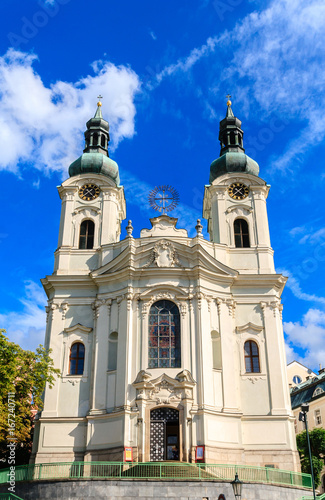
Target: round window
{"x": 296, "y": 379}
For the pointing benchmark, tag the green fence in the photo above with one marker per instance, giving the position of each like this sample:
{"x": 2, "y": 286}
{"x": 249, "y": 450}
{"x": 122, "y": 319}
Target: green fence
{"x": 322, "y": 497}
{"x": 156, "y": 470}
{"x": 9, "y": 496}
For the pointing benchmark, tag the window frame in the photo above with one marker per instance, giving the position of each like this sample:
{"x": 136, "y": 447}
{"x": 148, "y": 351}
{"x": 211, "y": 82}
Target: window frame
{"x": 241, "y": 233}
{"x": 251, "y": 357}
{"x": 77, "y": 358}
{"x": 86, "y": 236}
{"x": 176, "y": 360}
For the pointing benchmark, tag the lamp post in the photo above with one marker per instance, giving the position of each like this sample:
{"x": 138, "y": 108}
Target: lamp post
{"x": 237, "y": 485}
{"x": 303, "y": 418}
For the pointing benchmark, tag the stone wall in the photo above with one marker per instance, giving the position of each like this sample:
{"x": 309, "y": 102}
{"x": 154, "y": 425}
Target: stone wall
{"x": 149, "y": 490}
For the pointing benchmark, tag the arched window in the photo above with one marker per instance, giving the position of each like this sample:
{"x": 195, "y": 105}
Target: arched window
{"x": 232, "y": 138}
{"x": 241, "y": 233}
{"x": 112, "y": 351}
{"x": 86, "y": 238}
{"x": 102, "y": 141}
{"x": 95, "y": 139}
{"x": 252, "y": 359}
{"x": 164, "y": 335}
{"x": 77, "y": 359}
{"x": 216, "y": 350}
{"x": 240, "y": 140}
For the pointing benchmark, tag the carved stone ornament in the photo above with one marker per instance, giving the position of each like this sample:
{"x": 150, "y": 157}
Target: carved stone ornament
{"x": 164, "y": 255}
{"x": 164, "y": 389}
{"x": 254, "y": 379}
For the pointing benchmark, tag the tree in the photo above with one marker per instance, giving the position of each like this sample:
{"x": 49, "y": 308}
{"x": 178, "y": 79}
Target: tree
{"x": 317, "y": 445}
{"x": 23, "y": 376}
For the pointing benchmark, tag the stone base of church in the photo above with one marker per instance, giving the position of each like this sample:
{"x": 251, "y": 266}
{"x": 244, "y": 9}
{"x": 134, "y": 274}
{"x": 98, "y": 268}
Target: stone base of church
{"x": 281, "y": 459}
{"x": 130, "y": 489}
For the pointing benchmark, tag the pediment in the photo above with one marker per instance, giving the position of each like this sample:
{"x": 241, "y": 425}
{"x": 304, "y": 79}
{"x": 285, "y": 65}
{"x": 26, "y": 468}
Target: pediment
{"x": 249, "y": 328}
{"x": 78, "y": 328}
{"x": 164, "y": 389}
{"x": 165, "y": 254}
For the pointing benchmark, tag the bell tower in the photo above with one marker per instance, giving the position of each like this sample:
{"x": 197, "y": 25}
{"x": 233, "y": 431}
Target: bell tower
{"x": 235, "y": 204}
{"x": 93, "y": 204}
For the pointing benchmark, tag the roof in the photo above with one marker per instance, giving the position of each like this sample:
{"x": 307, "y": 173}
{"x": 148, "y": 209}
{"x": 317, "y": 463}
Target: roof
{"x": 303, "y": 392}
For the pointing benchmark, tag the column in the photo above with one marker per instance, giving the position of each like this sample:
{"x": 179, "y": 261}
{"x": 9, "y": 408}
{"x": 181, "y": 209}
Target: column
{"x": 65, "y": 232}
{"x": 109, "y": 216}
{"x": 229, "y": 353}
{"x": 218, "y": 209}
{"x": 102, "y": 314}
{"x": 274, "y": 356}
{"x": 55, "y": 329}
{"x": 262, "y": 224}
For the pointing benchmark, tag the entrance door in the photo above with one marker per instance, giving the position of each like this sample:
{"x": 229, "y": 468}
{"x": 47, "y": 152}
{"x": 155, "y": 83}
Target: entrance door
{"x": 164, "y": 434}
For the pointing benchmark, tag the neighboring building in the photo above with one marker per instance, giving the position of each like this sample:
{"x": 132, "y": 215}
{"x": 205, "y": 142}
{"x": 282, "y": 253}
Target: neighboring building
{"x": 311, "y": 391}
{"x": 166, "y": 342}
{"x": 298, "y": 373}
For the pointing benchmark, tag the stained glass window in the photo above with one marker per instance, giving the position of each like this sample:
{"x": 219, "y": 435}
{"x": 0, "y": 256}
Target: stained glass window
{"x": 164, "y": 349}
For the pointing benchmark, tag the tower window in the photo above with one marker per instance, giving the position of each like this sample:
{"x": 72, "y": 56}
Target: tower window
{"x": 164, "y": 335}
{"x": 95, "y": 139}
{"x": 252, "y": 359}
{"x": 102, "y": 141}
{"x": 241, "y": 233}
{"x": 77, "y": 359}
{"x": 86, "y": 239}
{"x": 232, "y": 138}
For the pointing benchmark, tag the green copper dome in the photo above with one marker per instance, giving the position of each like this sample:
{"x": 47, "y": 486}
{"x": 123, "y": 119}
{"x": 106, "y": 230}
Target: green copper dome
{"x": 95, "y": 163}
{"x": 233, "y": 162}
{"x": 95, "y": 158}
{"x": 232, "y": 154}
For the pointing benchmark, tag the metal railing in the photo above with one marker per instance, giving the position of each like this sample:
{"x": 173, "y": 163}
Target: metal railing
{"x": 156, "y": 470}
{"x": 322, "y": 497}
{"x": 9, "y": 496}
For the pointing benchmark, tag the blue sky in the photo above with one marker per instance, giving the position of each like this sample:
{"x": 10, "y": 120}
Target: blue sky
{"x": 164, "y": 69}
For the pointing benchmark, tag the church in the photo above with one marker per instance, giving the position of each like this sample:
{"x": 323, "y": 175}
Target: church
{"x": 170, "y": 347}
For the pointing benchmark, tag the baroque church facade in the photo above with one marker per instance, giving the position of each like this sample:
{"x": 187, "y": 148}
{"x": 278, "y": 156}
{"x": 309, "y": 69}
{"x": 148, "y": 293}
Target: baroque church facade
{"x": 170, "y": 346}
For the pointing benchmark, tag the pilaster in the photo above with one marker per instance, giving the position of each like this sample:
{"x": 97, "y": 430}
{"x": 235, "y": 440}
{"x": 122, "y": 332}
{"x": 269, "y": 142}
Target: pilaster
{"x": 102, "y": 315}
{"x": 66, "y": 226}
{"x": 275, "y": 358}
{"x": 226, "y": 309}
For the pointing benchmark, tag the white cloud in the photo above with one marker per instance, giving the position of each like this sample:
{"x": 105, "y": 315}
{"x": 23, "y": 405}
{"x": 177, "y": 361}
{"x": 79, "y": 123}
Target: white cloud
{"x": 294, "y": 285}
{"x": 44, "y": 125}
{"x": 27, "y": 327}
{"x": 275, "y": 57}
{"x": 309, "y": 335}
{"x": 153, "y": 35}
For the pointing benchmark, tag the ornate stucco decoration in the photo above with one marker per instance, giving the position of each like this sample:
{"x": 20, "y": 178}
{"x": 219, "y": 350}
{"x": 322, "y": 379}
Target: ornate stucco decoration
{"x": 164, "y": 255}
{"x": 163, "y": 226}
{"x": 164, "y": 389}
{"x": 249, "y": 328}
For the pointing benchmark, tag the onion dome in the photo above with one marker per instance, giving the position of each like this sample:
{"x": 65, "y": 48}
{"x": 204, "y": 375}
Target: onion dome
{"x": 95, "y": 158}
{"x": 232, "y": 154}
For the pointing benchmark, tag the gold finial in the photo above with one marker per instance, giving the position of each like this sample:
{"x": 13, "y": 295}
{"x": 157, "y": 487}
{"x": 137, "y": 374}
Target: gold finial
{"x": 229, "y": 101}
{"x": 99, "y": 97}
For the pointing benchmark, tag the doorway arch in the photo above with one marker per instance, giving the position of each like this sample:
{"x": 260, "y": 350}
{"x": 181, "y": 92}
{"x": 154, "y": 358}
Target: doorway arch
{"x": 164, "y": 434}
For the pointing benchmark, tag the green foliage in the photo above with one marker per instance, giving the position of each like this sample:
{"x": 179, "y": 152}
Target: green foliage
{"x": 317, "y": 445}
{"x": 24, "y": 374}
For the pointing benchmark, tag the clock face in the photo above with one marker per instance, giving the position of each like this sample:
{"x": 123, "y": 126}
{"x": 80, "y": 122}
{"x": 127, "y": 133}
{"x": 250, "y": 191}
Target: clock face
{"x": 238, "y": 191}
{"x": 89, "y": 192}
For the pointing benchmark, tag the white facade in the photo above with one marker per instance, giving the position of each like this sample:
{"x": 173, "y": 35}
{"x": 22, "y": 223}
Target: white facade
{"x": 226, "y": 296}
